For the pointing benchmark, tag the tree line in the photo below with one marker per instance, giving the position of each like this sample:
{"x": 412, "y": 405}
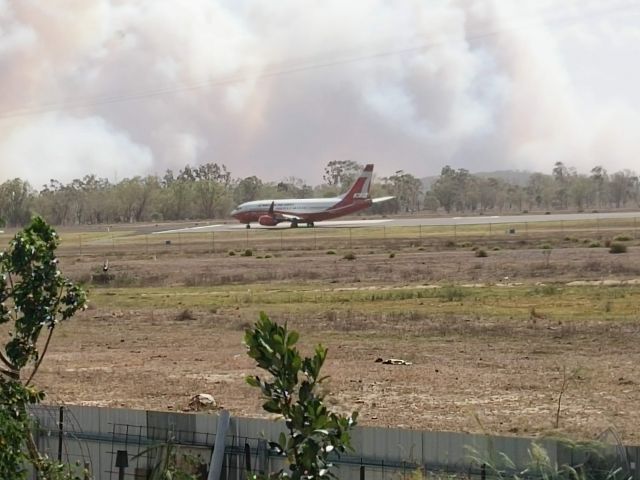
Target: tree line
{"x": 210, "y": 191}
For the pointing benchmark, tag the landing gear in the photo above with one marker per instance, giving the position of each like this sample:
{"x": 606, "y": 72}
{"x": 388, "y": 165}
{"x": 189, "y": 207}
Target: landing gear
{"x": 294, "y": 224}
{"x": 310, "y": 224}
{"x": 248, "y": 225}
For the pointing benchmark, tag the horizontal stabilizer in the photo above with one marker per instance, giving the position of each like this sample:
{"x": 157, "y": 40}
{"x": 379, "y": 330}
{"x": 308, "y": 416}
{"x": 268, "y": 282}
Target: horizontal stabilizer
{"x": 381, "y": 199}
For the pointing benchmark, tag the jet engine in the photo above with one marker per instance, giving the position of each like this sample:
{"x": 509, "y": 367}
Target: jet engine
{"x": 267, "y": 221}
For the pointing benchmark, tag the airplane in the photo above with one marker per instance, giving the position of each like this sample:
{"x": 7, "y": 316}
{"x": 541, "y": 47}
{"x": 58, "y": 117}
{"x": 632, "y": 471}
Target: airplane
{"x": 270, "y": 213}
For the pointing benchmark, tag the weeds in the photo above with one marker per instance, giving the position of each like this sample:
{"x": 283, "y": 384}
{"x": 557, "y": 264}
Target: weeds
{"x": 592, "y": 461}
{"x": 545, "y": 290}
{"x": 481, "y": 253}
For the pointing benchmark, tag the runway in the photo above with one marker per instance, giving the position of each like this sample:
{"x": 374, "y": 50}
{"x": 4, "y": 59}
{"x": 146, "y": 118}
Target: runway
{"x": 417, "y": 221}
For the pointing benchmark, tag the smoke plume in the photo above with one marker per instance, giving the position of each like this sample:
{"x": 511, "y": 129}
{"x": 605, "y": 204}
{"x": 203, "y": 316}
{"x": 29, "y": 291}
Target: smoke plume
{"x": 279, "y": 89}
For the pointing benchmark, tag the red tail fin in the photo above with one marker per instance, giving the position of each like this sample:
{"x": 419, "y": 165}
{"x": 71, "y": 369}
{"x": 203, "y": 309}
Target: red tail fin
{"x": 359, "y": 189}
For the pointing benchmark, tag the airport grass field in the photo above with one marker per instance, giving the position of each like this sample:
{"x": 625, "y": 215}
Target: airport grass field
{"x": 496, "y": 324}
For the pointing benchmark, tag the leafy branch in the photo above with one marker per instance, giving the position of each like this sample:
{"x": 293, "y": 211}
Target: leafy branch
{"x": 292, "y": 391}
{"x": 33, "y": 296}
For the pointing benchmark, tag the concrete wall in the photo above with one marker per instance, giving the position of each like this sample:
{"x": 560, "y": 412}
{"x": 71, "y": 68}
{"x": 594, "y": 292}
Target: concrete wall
{"x": 94, "y": 435}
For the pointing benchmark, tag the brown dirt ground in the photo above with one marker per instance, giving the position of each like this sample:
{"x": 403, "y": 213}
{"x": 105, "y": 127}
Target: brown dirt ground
{"x": 505, "y": 373}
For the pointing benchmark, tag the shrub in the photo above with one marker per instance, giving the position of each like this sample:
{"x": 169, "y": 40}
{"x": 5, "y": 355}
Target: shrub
{"x": 185, "y": 315}
{"x": 450, "y": 244}
{"x": 545, "y": 246}
{"x": 496, "y": 248}
{"x": 481, "y": 253}
{"x": 102, "y": 278}
{"x": 622, "y": 238}
{"x": 349, "y": 256}
{"x": 451, "y": 293}
{"x": 392, "y": 255}
{"x": 618, "y": 248}
{"x": 267, "y": 256}
{"x": 595, "y": 244}
{"x": 331, "y": 252}
{"x": 607, "y": 243}
{"x": 247, "y": 253}
{"x": 548, "y": 289}
{"x": 231, "y": 253}
{"x": 465, "y": 244}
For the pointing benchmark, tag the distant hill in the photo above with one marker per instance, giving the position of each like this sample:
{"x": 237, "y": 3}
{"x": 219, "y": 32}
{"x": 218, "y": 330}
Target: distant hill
{"x": 516, "y": 177}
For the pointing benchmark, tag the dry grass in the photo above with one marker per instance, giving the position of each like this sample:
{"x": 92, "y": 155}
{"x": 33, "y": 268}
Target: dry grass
{"x": 492, "y": 340}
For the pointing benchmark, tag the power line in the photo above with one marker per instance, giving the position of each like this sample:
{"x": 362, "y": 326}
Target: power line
{"x": 303, "y": 66}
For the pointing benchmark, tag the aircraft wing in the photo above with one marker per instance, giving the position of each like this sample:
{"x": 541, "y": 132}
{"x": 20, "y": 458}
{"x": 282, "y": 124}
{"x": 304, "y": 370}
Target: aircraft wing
{"x": 381, "y": 199}
{"x": 287, "y": 217}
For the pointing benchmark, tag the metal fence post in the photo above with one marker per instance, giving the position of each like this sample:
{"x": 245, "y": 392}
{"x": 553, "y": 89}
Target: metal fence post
{"x": 122, "y": 462}
{"x": 60, "y": 432}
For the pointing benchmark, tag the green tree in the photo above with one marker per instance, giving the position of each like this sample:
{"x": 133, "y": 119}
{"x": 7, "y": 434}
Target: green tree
{"x": 16, "y": 197}
{"x": 456, "y": 188}
{"x": 622, "y": 187}
{"x": 292, "y": 391}
{"x": 247, "y": 189}
{"x": 212, "y": 182}
{"x": 581, "y": 192}
{"x": 341, "y": 173}
{"x": 34, "y": 297}
{"x": 134, "y": 197}
{"x": 406, "y": 188}
{"x": 600, "y": 180}
{"x": 540, "y": 190}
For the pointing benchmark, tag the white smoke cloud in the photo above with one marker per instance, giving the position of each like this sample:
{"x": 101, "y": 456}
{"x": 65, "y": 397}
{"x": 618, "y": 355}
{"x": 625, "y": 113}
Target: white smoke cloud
{"x": 280, "y": 88}
{"x": 63, "y": 148}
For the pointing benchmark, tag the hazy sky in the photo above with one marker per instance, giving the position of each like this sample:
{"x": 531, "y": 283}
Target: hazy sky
{"x": 280, "y": 88}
